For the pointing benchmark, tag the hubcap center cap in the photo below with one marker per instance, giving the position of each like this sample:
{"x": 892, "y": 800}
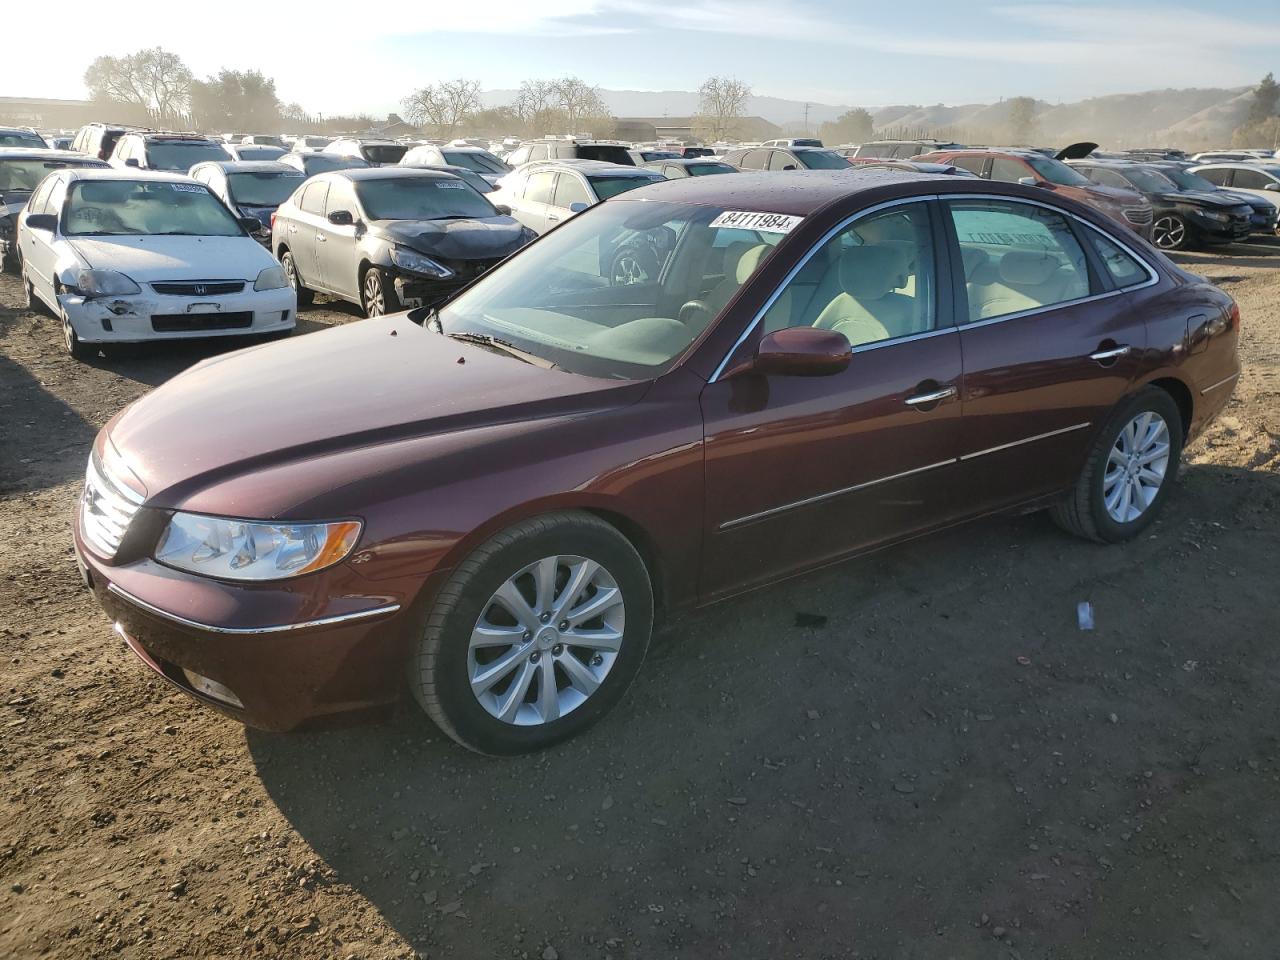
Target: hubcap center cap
{"x": 548, "y": 638}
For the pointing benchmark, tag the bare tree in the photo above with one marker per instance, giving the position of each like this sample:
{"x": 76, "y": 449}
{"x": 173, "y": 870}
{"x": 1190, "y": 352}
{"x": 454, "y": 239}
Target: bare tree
{"x": 582, "y": 104}
{"x": 536, "y": 99}
{"x": 154, "y": 79}
{"x": 444, "y": 106}
{"x": 721, "y": 104}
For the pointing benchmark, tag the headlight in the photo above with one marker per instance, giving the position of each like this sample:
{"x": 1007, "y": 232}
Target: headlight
{"x": 1214, "y": 215}
{"x": 251, "y": 550}
{"x": 416, "y": 263}
{"x": 105, "y": 283}
{"x": 271, "y": 278}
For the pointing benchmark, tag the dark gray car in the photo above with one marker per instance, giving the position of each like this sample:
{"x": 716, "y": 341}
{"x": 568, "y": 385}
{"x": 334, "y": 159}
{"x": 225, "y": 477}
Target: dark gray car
{"x": 386, "y": 236}
{"x": 20, "y": 173}
{"x": 250, "y": 188}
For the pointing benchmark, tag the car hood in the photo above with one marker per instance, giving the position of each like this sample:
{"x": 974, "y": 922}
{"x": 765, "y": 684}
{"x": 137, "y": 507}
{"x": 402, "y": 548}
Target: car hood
{"x": 150, "y": 258}
{"x": 479, "y": 239}
{"x": 1202, "y": 198}
{"x": 1115, "y": 195}
{"x": 12, "y": 201}
{"x": 1257, "y": 201}
{"x": 262, "y": 211}
{"x": 359, "y": 387}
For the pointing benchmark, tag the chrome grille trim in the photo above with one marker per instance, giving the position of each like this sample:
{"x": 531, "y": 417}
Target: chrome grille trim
{"x": 106, "y": 509}
{"x": 198, "y": 288}
{"x": 1139, "y": 215}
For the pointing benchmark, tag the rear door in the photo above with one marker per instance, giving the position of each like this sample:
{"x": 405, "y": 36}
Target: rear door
{"x": 1049, "y": 348}
{"x": 539, "y": 194}
{"x": 305, "y": 221}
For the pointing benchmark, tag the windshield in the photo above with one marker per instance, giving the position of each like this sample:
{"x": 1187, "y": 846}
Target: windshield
{"x": 606, "y": 187}
{"x": 115, "y": 208}
{"x": 254, "y": 152}
{"x": 1055, "y": 171}
{"x": 474, "y": 161}
{"x": 822, "y": 160}
{"x": 1149, "y": 181}
{"x": 315, "y": 163}
{"x": 262, "y": 189}
{"x": 421, "y": 198}
{"x": 1187, "y": 180}
{"x": 181, "y": 157}
{"x": 23, "y": 176}
{"x": 557, "y": 299}
{"x": 383, "y": 152}
{"x": 316, "y": 141}
{"x": 21, "y": 138}
{"x": 703, "y": 169}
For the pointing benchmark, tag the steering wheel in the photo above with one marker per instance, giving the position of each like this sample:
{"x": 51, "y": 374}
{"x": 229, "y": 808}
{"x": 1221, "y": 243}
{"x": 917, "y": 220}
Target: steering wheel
{"x": 695, "y": 311}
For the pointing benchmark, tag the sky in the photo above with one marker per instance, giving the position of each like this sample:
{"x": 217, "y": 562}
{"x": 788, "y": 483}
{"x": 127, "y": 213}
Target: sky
{"x": 829, "y": 51}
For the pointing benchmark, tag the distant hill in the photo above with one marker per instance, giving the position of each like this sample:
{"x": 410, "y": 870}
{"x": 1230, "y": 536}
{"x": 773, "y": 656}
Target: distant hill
{"x": 1192, "y": 117}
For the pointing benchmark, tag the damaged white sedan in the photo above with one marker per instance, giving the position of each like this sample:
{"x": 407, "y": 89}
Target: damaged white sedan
{"x": 126, "y": 256}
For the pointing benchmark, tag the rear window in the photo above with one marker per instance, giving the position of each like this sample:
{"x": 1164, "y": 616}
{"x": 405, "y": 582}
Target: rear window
{"x": 21, "y": 138}
{"x": 22, "y": 176}
{"x": 383, "y": 152}
{"x": 606, "y": 187}
{"x": 179, "y": 157}
{"x": 473, "y": 161}
{"x": 705, "y": 169}
{"x": 606, "y": 153}
{"x": 315, "y": 163}
{"x": 262, "y": 189}
{"x": 822, "y": 160}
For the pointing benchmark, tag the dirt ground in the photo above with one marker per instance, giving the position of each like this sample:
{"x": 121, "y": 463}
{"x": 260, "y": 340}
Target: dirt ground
{"x": 944, "y": 766}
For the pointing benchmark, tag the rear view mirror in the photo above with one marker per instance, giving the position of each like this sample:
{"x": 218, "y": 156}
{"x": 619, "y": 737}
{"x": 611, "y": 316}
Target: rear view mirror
{"x": 42, "y": 221}
{"x": 341, "y": 218}
{"x": 801, "y": 352}
{"x": 502, "y": 210}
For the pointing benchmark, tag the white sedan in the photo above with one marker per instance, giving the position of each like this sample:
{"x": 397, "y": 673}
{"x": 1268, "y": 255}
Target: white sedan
{"x": 125, "y": 256}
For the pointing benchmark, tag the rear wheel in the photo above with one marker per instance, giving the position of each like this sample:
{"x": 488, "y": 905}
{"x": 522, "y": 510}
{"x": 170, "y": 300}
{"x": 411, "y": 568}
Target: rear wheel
{"x": 378, "y": 293}
{"x": 1170, "y": 232}
{"x": 1127, "y": 476}
{"x": 305, "y": 296}
{"x": 536, "y": 635}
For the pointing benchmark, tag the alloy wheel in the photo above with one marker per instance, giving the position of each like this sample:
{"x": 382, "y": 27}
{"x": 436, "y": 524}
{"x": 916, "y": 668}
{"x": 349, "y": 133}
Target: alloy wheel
{"x": 291, "y": 272}
{"x": 1168, "y": 233}
{"x": 1136, "y": 467}
{"x": 546, "y": 640}
{"x": 375, "y": 304}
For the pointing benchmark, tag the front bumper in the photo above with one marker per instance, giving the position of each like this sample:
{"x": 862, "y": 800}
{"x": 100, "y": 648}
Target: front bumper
{"x": 329, "y": 652}
{"x": 150, "y": 316}
{"x": 1219, "y": 231}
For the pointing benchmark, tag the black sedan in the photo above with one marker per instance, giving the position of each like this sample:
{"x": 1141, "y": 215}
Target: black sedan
{"x": 1183, "y": 218}
{"x": 386, "y": 236}
{"x": 1263, "y": 219}
{"x": 21, "y": 171}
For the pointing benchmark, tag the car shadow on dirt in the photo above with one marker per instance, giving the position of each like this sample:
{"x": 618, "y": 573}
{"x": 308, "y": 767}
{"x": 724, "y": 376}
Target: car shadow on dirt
{"x": 920, "y": 746}
{"x": 29, "y": 416}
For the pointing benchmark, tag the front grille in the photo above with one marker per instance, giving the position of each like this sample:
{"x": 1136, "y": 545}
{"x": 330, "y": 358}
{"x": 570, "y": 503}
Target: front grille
{"x": 106, "y": 509}
{"x": 198, "y": 288}
{"x": 184, "y": 322}
{"x": 1140, "y": 216}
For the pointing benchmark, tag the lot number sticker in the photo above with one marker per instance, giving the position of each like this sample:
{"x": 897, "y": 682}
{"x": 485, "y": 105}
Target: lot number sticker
{"x": 188, "y": 188}
{"x": 451, "y": 185}
{"x": 762, "y": 222}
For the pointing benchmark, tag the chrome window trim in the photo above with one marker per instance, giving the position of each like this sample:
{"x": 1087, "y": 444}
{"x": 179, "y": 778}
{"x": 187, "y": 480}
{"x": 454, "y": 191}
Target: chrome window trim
{"x": 1221, "y": 383}
{"x": 1153, "y": 276}
{"x": 1018, "y": 443}
{"x": 819, "y": 498}
{"x": 250, "y": 631}
{"x": 800, "y": 264}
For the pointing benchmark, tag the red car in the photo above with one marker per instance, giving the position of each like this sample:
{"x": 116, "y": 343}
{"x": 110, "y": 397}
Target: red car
{"x": 1035, "y": 169}
{"x": 492, "y": 502}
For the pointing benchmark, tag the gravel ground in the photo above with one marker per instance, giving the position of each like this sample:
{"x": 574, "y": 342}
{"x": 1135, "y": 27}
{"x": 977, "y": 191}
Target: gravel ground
{"x": 913, "y": 755}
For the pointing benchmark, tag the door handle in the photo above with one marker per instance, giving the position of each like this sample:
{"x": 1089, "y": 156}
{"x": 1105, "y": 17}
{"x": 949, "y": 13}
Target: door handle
{"x": 321, "y": 238}
{"x": 292, "y": 228}
{"x": 551, "y": 217}
{"x": 1110, "y": 354}
{"x": 933, "y": 396}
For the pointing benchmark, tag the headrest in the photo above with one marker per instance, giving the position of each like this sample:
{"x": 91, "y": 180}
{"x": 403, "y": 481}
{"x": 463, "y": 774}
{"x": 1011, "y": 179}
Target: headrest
{"x": 748, "y": 262}
{"x": 1027, "y": 267}
{"x": 870, "y": 271}
{"x": 974, "y": 258}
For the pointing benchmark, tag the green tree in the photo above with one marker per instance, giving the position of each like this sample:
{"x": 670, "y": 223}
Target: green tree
{"x": 236, "y": 100}
{"x": 1266, "y": 98}
{"x": 852, "y": 126}
{"x": 1022, "y": 119}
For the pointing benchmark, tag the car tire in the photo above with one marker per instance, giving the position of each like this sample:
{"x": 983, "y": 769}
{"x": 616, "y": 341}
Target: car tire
{"x": 478, "y": 670}
{"x": 290, "y": 268}
{"x": 378, "y": 293}
{"x": 1099, "y": 507}
{"x": 1171, "y": 232}
{"x": 10, "y": 263}
{"x": 76, "y": 348}
{"x": 34, "y": 304}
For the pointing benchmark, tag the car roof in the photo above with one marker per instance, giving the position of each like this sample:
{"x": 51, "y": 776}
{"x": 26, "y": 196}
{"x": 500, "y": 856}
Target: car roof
{"x": 1239, "y": 165}
{"x": 687, "y": 161}
{"x": 42, "y": 153}
{"x": 594, "y": 168}
{"x": 395, "y": 172}
{"x": 803, "y": 192}
{"x": 128, "y": 173}
{"x": 178, "y": 137}
{"x": 250, "y": 166}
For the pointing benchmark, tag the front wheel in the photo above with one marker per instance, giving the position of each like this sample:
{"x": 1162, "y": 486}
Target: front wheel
{"x": 536, "y": 636}
{"x": 1170, "y": 232}
{"x": 378, "y": 294}
{"x": 76, "y": 348}
{"x": 1127, "y": 476}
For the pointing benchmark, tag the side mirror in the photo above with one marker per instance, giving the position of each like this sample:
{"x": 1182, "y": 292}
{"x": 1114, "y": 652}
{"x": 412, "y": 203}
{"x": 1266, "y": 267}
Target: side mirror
{"x": 502, "y": 210}
{"x": 801, "y": 352}
{"x": 1274, "y": 187}
{"x": 578, "y": 206}
{"x": 252, "y": 224}
{"x": 42, "y": 221}
{"x": 341, "y": 218}
{"x": 789, "y": 166}
{"x": 1028, "y": 181}
{"x": 132, "y": 162}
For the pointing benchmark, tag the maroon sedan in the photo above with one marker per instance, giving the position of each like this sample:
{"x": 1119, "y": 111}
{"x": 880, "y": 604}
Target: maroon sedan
{"x": 495, "y": 499}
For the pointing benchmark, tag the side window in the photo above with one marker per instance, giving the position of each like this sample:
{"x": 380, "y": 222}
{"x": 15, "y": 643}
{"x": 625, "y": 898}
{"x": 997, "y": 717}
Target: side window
{"x": 1251, "y": 180}
{"x": 39, "y": 202}
{"x": 519, "y": 156}
{"x": 1124, "y": 269}
{"x": 569, "y": 189}
{"x": 57, "y": 195}
{"x": 1008, "y": 170}
{"x": 873, "y": 281}
{"x": 1219, "y": 176}
{"x": 1017, "y": 257}
{"x": 1108, "y": 178}
{"x": 541, "y": 187}
{"x": 313, "y": 197}
{"x": 341, "y": 197}
{"x": 781, "y": 160}
{"x": 755, "y": 159}
{"x": 539, "y": 152}
{"x": 972, "y": 164}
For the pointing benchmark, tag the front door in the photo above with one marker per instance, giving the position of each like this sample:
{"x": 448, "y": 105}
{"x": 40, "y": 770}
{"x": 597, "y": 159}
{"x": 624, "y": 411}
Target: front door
{"x": 802, "y": 470}
{"x": 36, "y": 246}
{"x": 1050, "y": 346}
{"x": 336, "y": 243}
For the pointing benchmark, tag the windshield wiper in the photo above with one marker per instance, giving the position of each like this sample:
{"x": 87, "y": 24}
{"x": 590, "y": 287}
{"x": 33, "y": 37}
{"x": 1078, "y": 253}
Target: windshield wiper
{"x": 498, "y": 345}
